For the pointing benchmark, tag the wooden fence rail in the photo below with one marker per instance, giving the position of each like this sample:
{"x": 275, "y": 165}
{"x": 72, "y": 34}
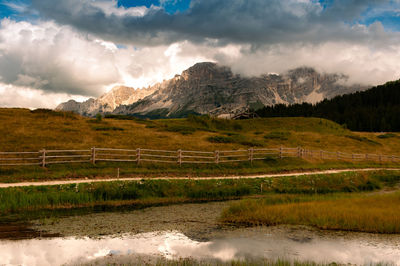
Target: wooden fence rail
{"x": 47, "y": 157}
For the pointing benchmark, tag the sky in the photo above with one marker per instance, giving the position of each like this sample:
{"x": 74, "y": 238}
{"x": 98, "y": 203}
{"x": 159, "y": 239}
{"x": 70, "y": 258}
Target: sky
{"x": 52, "y": 51}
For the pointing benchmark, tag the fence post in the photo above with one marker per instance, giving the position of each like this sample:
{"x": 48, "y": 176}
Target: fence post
{"x": 338, "y": 155}
{"x": 280, "y": 152}
{"x": 251, "y": 153}
{"x": 43, "y": 157}
{"x": 138, "y": 155}
{"x": 321, "y": 154}
{"x": 298, "y": 152}
{"x": 216, "y": 154}
{"x": 366, "y": 156}
{"x": 352, "y": 156}
{"x": 380, "y": 158}
{"x": 392, "y": 158}
{"x": 94, "y": 155}
{"x": 180, "y": 157}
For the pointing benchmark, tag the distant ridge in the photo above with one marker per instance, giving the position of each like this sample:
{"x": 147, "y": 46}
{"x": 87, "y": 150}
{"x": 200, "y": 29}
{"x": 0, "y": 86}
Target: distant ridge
{"x": 376, "y": 109}
{"x": 208, "y": 88}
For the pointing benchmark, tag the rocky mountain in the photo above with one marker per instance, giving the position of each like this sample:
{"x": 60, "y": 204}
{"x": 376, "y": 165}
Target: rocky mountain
{"x": 208, "y": 88}
{"x": 108, "y": 102}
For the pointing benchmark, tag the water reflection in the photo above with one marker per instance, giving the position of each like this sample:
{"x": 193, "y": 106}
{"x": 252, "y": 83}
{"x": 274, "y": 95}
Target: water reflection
{"x": 173, "y": 244}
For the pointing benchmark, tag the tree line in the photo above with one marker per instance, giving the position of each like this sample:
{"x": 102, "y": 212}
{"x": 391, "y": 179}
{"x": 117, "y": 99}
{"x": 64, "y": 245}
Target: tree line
{"x": 374, "y": 110}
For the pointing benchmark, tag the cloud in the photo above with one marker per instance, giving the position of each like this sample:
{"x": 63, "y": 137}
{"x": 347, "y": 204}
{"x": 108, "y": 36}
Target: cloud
{"x": 255, "y": 22}
{"x": 81, "y": 48}
{"x": 363, "y": 64}
{"x": 14, "y": 96}
{"x": 45, "y": 64}
{"x": 52, "y": 59}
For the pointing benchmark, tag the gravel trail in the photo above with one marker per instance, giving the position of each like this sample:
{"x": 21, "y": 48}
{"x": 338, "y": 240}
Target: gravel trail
{"x": 79, "y": 181}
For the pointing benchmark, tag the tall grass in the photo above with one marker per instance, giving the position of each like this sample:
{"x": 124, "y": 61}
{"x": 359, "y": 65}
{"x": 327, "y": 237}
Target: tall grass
{"x": 379, "y": 213}
{"x": 127, "y": 261}
{"x": 344, "y": 182}
{"x": 245, "y": 262}
{"x": 13, "y": 200}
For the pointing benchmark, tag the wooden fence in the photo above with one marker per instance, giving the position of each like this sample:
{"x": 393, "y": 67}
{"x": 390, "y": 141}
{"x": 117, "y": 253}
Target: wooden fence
{"x": 93, "y": 155}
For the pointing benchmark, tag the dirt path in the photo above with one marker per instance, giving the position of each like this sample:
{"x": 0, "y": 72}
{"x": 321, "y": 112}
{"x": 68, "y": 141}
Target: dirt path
{"x": 79, "y": 181}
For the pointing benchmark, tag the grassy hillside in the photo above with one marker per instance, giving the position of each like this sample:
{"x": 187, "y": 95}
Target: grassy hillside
{"x": 22, "y": 129}
{"x": 25, "y": 130}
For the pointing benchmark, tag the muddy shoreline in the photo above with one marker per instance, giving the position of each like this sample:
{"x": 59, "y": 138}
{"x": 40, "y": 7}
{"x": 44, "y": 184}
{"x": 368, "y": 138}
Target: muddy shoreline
{"x": 196, "y": 220}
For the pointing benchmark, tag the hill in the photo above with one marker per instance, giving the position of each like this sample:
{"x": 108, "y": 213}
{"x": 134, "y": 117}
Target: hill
{"x": 23, "y": 129}
{"x": 26, "y": 130}
{"x": 376, "y": 109}
{"x": 208, "y": 88}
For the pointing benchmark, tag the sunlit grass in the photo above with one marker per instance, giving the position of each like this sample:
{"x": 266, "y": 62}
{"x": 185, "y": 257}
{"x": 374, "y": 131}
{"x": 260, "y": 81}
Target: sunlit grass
{"x": 25, "y": 130}
{"x": 379, "y": 213}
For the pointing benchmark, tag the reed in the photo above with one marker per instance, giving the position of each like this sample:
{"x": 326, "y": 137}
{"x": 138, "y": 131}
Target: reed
{"x": 148, "y": 191}
{"x": 379, "y": 213}
{"x": 211, "y": 262}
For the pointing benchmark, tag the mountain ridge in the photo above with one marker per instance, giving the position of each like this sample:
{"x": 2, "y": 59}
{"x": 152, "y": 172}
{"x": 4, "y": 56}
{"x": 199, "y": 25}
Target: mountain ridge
{"x": 209, "y": 88}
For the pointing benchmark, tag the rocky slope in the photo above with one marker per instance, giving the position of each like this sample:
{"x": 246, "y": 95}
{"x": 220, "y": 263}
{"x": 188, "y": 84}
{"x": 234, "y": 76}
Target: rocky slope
{"x": 119, "y": 95}
{"x": 207, "y": 88}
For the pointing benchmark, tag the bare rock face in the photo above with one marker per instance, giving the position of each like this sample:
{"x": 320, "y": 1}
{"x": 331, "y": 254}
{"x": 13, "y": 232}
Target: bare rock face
{"x": 119, "y": 95}
{"x": 207, "y": 88}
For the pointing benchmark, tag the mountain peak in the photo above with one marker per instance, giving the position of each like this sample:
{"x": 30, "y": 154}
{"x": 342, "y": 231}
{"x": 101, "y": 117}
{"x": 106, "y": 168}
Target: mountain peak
{"x": 206, "y": 70}
{"x": 209, "y": 88}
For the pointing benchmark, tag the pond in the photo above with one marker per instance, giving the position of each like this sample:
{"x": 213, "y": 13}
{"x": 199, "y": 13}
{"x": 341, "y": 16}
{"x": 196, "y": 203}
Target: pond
{"x": 189, "y": 231}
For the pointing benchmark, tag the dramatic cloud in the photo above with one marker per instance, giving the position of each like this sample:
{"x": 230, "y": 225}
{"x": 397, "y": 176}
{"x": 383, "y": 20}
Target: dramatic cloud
{"x": 13, "y": 96}
{"x": 256, "y": 22}
{"x": 51, "y": 59}
{"x": 362, "y": 64}
{"x": 81, "y": 48}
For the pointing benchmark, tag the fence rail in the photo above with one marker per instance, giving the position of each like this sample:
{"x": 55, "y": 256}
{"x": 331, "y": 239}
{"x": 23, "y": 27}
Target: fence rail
{"x": 46, "y": 157}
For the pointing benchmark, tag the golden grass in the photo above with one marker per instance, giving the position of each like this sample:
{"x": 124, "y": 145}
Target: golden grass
{"x": 378, "y": 213}
{"x": 23, "y": 129}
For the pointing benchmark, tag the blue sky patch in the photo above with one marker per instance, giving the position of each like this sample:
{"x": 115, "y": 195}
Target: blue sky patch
{"x": 170, "y": 6}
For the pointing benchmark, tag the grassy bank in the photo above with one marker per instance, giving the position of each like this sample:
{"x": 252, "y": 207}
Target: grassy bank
{"x": 379, "y": 213}
{"x": 152, "y": 192}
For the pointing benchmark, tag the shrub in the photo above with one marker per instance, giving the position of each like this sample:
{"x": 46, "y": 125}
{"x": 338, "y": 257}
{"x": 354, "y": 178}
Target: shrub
{"x": 234, "y": 138}
{"x": 278, "y": 135}
{"x": 221, "y": 139}
{"x": 387, "y": 136}
{"x": 121, "y": 117}
{"x": 184, "y": 130}
{"x": 212, "y": 123}
{"x": 362, "y": 139}
{"x": 99, "y": 117}
{"x": 107, "y": 128}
